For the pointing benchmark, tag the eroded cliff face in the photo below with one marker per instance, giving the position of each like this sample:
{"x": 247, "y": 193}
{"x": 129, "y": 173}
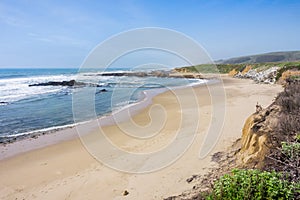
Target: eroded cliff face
{"x": 265, "y": 130}
{"x": 181, "y": 70}
{"x": 256, "y": 136}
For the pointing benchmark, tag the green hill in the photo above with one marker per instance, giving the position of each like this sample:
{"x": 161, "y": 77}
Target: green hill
{"x": 287, "y": 56}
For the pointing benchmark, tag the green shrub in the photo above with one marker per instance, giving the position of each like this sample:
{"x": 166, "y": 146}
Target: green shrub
{"x": 252, "y": 184}
{"x": 298, "y": 137}
{"x": 295, "y": 77}
{"x": 288, "y": 66}
{"x": 225, "y": 68}
{"x": 291, "y": 149}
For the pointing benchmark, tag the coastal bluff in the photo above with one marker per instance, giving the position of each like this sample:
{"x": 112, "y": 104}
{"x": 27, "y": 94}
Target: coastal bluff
{"x": 256, "y": 135}
{"x": 265, "y": 130}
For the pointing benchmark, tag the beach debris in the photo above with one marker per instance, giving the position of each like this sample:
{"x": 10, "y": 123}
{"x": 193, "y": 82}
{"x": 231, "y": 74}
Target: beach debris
{"x": 125, "y": 193}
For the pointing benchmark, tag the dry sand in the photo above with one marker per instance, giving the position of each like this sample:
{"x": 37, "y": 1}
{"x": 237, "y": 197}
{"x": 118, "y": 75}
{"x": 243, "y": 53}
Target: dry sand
{"x": 67, "y": 171}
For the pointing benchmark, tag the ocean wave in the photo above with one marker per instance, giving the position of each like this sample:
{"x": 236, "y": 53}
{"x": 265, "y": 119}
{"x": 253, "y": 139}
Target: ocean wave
{"x": 10, "y": 76}
{"x": 42, "y": 102}
{"x": 40, "y": 131}
{"x": 16, "y": 89}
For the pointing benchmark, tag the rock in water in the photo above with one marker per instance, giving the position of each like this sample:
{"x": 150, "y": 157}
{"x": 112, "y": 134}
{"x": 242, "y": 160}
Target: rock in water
{"x": 103, "y": 90}
{"x": 70, "y": 83}
{"x": 3, "y": 103}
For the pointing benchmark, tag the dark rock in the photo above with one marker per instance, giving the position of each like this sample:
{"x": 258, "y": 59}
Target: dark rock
{"x": 70, "y": 83}
{"x": 34, "y": 136}
{"x": 192, "y": 178}
{"x": 103, "y": 90}
{"x": 156, "y": 73}
{"x": 216, "y": 157}
{"x": 115, "y": 74}
{"x": 125, "y": 193}
{"x": 56, "y": 83}
{"x": 3, "y": 103}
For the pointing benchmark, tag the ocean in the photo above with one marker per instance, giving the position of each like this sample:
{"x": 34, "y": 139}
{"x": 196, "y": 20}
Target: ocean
{"x": 25, "y": 109}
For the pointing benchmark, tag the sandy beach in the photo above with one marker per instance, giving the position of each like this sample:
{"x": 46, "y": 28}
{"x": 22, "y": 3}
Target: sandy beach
{"x": 60, "y": 167}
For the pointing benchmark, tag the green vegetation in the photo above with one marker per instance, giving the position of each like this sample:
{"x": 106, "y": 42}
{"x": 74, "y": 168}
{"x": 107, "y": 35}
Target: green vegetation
{"x": 284, "y": 157}
{"x": 252, "y": 184}
{"x": 298, "y": 137}
{"x": 291, "y": 150}
{"x": 211, "y": 68}
{"x": 226, "y": 68}
{"x": 287, "y": 66}
{"x": 295, "y": 77}
{"x": 286, "y": 56}
{"x": 260, "y": 62}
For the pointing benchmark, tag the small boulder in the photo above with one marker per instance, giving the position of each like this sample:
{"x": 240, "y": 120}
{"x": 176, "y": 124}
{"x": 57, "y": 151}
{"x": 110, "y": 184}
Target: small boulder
{"x": 103, "y": 90}
{"x": 125, "y": 193}
{"x": 3, "y": 103}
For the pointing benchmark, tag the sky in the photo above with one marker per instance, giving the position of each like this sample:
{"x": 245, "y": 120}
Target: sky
{"x": 61, "y": 33}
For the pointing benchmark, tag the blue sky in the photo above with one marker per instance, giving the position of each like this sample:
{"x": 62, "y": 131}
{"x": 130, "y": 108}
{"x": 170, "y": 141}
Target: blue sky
{"x": 58, "y": 33}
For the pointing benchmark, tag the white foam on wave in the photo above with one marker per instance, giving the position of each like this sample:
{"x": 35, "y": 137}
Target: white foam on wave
{"x": 198, "y": 82}
{"x": 44, "y": 130}
{"x": 16, "y": 89}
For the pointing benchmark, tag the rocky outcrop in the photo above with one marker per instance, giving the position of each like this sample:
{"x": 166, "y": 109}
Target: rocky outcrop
{"x": 288, "y": 74}
{"x": 246, "y": 69}
{"x": 3, "y": 103}
{"x": 186, "y": 75}
{"x": 181, "y": 70}
{"x": 156, "y": 73}
{"x": 265, "y": 130}
{"x": 71, "y": 83}
{"x": 101, "y": 91}
{"x": 138, "y": 74}
{"x": 233, "y": 72}
{"x": 177, "y": 73}
{"x": 265, "y": 76}
{"x": 256, "y": 135}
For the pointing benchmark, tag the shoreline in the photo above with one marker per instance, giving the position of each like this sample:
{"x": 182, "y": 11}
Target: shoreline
{"x": 32, "y": 140}
{"x": 7, "y": 139}
{"x": 67, "y": 171}
{"x": 12, "y": 133}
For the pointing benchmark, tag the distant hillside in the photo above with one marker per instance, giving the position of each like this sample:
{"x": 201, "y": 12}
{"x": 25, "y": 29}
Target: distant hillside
{"x": 287, "y": 56}
{"x": 226, "y": 68}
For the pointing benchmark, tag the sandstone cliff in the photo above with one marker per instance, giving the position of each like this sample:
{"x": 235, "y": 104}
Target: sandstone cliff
{"x": 256, "y": 135}
{"x": 266, "y": 129}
